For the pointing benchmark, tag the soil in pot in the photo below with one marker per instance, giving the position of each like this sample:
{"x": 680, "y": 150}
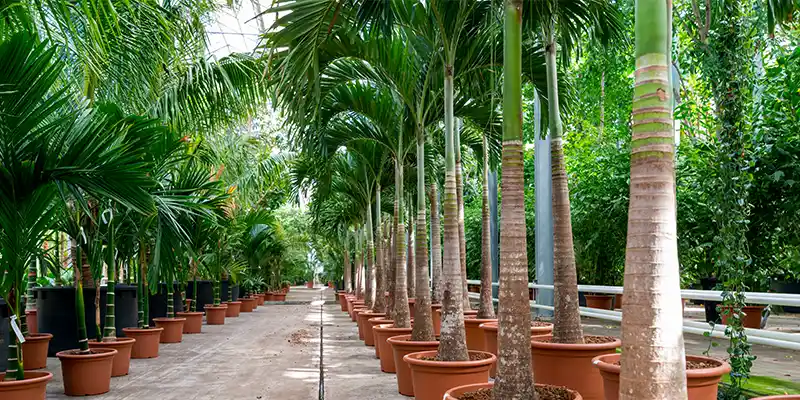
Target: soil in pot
{"x": 601, "y": 301}
{"x": 437, "y": 318}
{"x": 248, "y": 304}
{"x": 433, "y": 378}
{"x": 382, "y": 334}
{"x": 366, "y": 327}
{"x": 233, "y": 310}
{"x": 401, "y": 346}
{"x": 490, "y": 329}
{"x": 86, "y": 374}
{"x": 147, "y": 341}
{"x": 34, "y": 386}
{"x": 32, "y": 319}
{"x": 570, "y": 365}
{"x": 194, "y": 322}
{"x": 122, "y": 361}
{"x": 215, "y": 315}
{"x": 703, "y": 375}
{"x": 752, "y": 315}
{"x": 34, "y": 350}
{"x": 475, "y": 335}
{"x": 372, "y": 323}
{"x": 483, "y": 391}
{"x": 173, "y": 329}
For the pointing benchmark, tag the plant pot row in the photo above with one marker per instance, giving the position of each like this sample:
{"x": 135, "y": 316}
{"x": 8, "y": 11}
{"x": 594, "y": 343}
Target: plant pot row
{"x": 90, "y": 373}
{"x": 583, "y": 369}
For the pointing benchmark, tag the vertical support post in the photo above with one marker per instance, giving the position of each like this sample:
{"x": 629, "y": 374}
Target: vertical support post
{"x": 544, "y": 211}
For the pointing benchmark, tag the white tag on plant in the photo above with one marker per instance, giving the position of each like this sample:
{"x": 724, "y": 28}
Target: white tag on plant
{"x": 15, "y": 327}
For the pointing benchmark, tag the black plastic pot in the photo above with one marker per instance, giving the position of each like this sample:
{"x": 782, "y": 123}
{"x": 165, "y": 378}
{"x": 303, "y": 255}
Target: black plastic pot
{"x": 158, "y": 302}
{"x": 205, "y": 293}
{"x": 224, "y": 292}
{"x": 56, "y": 313}
{"x": 786, "y": 287}
{"x": 4, "y": 335}
{"x": 712, "y": 315}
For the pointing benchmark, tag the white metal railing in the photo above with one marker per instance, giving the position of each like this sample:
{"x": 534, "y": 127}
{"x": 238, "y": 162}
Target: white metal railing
{"x": 769, "y": 338}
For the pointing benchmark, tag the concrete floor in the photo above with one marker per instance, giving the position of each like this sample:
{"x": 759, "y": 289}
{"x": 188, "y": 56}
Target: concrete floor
{"x": 274, "y": 354}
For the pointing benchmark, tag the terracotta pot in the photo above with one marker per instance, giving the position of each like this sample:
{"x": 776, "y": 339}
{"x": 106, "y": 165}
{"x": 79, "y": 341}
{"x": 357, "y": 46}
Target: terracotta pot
{"x": 752, "y": 316}
{"x": 490, "y": 338}
{"x": 173, "y": 329}
{"x": 618, "y": 300}
{"x": 261, "y": 298}
{"x": 33, "y": 387}
{"x": 310, "y": 285}
{"x": 279, "y": 297}
{"x": 433, "y": 378}
{"x": 233, "y": 310}
{"x": 34, "y": 350}
{"x": 86, "y": 374}
{"x": 248, "y": 304}
{"x": 350, "y": 300}
{"x": 382, "y": 334}
{"x": 357, "y": 309}
{"x": 401, "y": 346}
{"x": 701, "y": 383}
{"x": 194, "y": 322}
{"x": 601, "y": 301}
{"x": 215, "y": 315}
{"x": 437, "y": 318}
{"x": 411, "y": 303}
{"x": 147, "y": 340}
{"x": 269, "y": 297}
{"x": 365, "y": 327}
{"x": 456, "y": 392}
{"x": 356, "y": 304}
{"x": 570, "y": 365}
{"x": 343, "y": 300}
{"x": 475, "y": 336}
{"x": 122, "y": 361}
{"x": 32, "y": 319}
{"x": 187, "y": 304}
{"x": 373, "y": 322}
{"x": 779, "y": 397}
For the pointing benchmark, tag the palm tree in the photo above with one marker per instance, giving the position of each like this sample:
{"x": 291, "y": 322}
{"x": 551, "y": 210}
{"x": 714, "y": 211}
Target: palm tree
{"x": 653, "y": 353}
{"x": 50, "y": 145}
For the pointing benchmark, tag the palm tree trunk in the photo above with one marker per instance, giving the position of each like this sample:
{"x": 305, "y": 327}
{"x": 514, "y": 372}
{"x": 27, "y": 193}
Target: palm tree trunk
{"x": 514, "y": 379}
{"x": 410, "y": 269}
{"x": 423, "y": 322}
{"x": 15, "y": 371}
{"x": 370, "y": 263}
{"x": 436, "y": 246}
{"x": 388, "y": 257}
{"x": 380, "y": 283}
{"x": 453, "y": 341}
{"x": 462, "y": 240}
{"x": 566, "y": 317}
{"x": 359, "y": 278}
{"x": 486, "y": 308}
{"x": 80, "y": 312}
{"x": 145, "y": 289}
{"x": 348, "y": 268}
{"x": 110, "y": 330}
{"x": 653, "y": 352}
{"x": 401, "y": 316}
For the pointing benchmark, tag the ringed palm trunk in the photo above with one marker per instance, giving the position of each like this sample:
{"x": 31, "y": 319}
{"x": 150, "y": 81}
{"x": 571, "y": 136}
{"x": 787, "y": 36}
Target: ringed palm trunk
{"x": 423, "y": 322}
{"x": 462, "y": 240}
{"x": 380, "y": 285}
{"x": 653, "y": 351}
{"x": 453, "y": 342}
{"x": 486, "y": 308}
{"x": 80, "y": 313}
{"x": 348, "y": 268}
{"x": 566, "y": 316}
{"x": 359, "y": 283}
{"x": 145, "y": 295}
{"x": 391, "y": 282}
{"x": 110, "y": 330}
{"x": 514, "y": 379}
{"x": 410, "y": 269}
{"x": 436, "y": 246}
{"x": 15, "y": 370}
{"x": 370, "y": 263}
{"x": 401, "y": 316}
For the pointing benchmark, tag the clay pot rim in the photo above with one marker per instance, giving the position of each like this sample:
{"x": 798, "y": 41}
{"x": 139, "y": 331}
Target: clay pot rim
{"x": 213, "y": 307}
{"x": 380, "y": 320}
{"x": 488, "y": 385}
{"x": 99, "y": 353}
{"x": 372, "y": 314}
{"x": 247, "y": 299}
{"x": 603, "y": 362}
{"x": 480, "y": 321}
{"x": 232, "y": 302}
{"x": 404, "y": 340}
{"x": 467, "y": 312}
{"x": 35, "y": 378}
{"x": 535, "y": 330}
{"x": 38, "y": 337}
{"x": 151, "y": 330}
{"x": 169, "y": 319}
{"x": 574, "y": 346}
{"x": 389, "y": 328}
{"x": 119, "y": 341}
{"x": 600, "y": 295}
{"x": 413, "y": 359}
{"x": 189, "y": 313}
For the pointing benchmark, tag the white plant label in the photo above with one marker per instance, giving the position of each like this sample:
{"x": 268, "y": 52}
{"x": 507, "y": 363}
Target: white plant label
{"x": 15, "y": 327}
